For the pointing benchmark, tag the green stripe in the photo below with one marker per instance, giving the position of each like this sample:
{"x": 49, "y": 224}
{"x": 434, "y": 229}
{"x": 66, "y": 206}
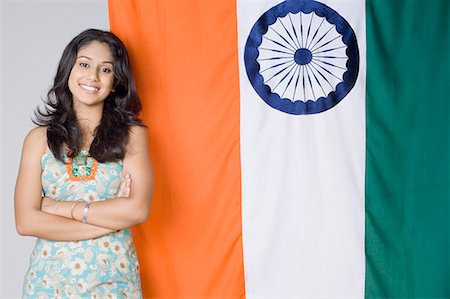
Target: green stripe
{"x": 408, "y": 152}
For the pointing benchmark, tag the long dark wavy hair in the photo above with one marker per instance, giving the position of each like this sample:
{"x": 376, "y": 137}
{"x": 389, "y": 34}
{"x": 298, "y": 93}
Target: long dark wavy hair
{"x": 120, "y": 110}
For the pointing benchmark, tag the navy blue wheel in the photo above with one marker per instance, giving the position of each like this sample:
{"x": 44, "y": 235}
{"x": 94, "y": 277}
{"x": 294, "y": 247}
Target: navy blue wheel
{"x": 302, "y": 57}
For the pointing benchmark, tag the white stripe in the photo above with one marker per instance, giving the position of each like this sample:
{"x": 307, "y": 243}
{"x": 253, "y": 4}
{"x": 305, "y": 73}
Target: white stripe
{"x": 303, "y": 184}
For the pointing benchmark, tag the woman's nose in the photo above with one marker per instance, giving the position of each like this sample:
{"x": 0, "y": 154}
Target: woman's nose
{"x": 93, "y": 74}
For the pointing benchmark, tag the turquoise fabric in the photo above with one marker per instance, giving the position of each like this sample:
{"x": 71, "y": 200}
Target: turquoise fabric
{"x": 105, "y": 267}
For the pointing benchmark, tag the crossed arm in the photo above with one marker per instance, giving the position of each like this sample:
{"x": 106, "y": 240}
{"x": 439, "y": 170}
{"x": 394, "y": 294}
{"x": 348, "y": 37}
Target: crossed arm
{"x": 49, "y": 219}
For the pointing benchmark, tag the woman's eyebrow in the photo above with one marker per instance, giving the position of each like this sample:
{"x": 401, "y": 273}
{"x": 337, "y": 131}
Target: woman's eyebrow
{"x": 82, "y": 56}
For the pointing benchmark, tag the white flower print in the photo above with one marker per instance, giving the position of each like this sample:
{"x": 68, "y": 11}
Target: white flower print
{"x": 29, "y": 289}
{"x": 45, "y": 282}
{"x": 90, "y": 196}
{"x": 81, "y": 286}
{"x": 54, "y": 192}
{"x": 102, "y": 259}
{"x": 62, "y": 253}
{"x": 45, "y": 251}
{"x": 95, "y": 295}
{"x": 31, "y": 275}
{"x": 105, "y": 245}
{"x": 77, "y": 266}
{"x": 58, "y": 292}
{"x": 69, "y": 291}
{"x": 122, "y": 264}
{"x": 117, "y": 248}
{"x": 111, "y": 285}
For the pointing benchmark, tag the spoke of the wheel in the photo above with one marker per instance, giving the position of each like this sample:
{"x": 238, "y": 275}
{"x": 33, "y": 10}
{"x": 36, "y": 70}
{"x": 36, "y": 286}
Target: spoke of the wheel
{"x": 331, "y": 49}
{"x": 328, "y": 42}
{"x": 322, "y": 37}
{"x": 278, "y": 43}
{"x": 293, "y": 47}
{"x": 322, "y": 75}
{"x": 301, "y": 30}
{"x": 289, "y": 34}
{"x": 328, "y": 71}
{"x": 274, "y": 50}
{"x": 331, "y": 57}
{"x": 310, "y": 83}
{"x": 280, "y": 71}
{"x": 317, "y": 80}
{"x": 296, "y": 82}
{"x": 282, "y": 79}
{"x": 315, "y": 33}
{"x": 274, "y": 58}
{"x": 276, "y": 65}
{"x": 303, "y": 82}
{"x": 295, "y": 31}
{"x": 330, "y": 64}
{"x": 309, "y": 29}
{"x": 290, "y": 80}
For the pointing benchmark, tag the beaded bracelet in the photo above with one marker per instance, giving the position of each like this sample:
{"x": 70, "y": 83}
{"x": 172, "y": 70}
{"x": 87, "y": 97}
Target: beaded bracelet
{"x": 85, "y": 212}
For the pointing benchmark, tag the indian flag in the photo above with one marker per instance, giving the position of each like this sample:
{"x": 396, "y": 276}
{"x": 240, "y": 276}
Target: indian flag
{"x": 300, "y": 147}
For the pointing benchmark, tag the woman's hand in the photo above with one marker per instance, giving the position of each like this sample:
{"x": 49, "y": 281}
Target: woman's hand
{"x": 124, "y": 187}
{"x": 66, "y": 208}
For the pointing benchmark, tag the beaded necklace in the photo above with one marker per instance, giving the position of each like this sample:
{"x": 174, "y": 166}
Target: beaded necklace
{"x": 82, "y": 167}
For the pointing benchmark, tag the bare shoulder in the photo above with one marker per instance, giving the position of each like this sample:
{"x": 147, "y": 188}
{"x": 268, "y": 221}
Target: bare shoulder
{"x": 138, "y": 141}
{"x": 36, "y": 140}
{"x": 138, "y": 135}
{"x": 138, "y": 132}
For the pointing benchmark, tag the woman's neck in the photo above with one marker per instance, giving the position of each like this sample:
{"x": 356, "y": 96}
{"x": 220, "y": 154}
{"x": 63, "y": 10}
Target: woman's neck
{"x": 89, "y": 120}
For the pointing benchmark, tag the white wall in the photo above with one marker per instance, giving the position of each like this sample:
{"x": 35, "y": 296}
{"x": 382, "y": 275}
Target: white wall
{"x": 33, "y": 36}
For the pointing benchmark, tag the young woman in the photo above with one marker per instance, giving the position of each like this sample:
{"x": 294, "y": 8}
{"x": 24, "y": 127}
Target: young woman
{"x": 74, "y": 190}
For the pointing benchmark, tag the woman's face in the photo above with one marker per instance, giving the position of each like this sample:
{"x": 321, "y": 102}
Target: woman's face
{"x": 92, "y": 78}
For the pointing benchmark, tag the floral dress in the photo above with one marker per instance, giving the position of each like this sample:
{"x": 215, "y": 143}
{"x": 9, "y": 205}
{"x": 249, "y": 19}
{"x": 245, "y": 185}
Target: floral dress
{"x": 105, "y": 267}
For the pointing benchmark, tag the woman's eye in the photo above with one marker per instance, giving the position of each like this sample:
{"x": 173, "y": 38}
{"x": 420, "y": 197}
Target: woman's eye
{"x": 105, "y": 70}
{"x": 82, "y": 64}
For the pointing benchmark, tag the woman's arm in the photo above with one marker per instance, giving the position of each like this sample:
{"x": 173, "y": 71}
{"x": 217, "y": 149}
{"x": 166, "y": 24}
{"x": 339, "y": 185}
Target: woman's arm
{"x": 30, "y": 220}
{"x": 120, "y": 212}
